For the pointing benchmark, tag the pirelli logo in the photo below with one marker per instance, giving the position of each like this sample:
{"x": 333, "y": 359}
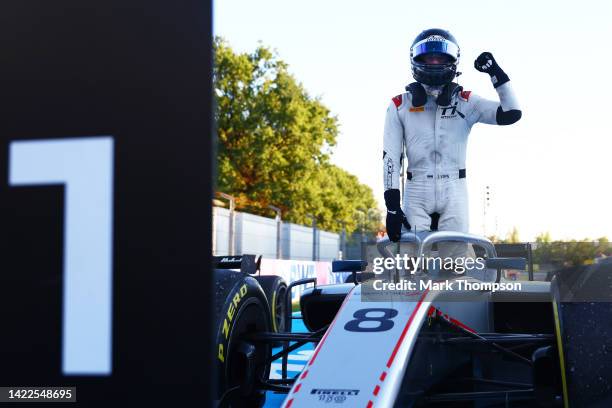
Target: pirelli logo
{"x": 417, "y": 109}
{"x": 327, "y": 391}
{"x": 231, "y": 311}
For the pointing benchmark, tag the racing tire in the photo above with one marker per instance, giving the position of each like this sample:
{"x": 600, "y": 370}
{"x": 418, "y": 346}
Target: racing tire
{"x": 275, "y": 289}
{"x": 241, "y": 308}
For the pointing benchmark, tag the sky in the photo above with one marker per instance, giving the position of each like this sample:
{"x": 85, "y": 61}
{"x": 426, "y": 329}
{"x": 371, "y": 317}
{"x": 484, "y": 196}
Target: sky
{"x": 550, "y": 172}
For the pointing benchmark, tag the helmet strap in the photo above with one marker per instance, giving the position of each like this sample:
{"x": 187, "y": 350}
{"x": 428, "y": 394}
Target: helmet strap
{"x": 449, "y": 90}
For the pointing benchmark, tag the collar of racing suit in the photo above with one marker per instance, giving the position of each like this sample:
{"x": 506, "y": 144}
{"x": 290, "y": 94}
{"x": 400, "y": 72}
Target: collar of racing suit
{"x": 434, "y": 91}
{"x": 443, "y": 94}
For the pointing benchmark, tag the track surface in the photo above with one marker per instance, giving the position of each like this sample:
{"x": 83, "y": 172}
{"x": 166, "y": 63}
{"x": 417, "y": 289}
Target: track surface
{"x": 297, "y": 361}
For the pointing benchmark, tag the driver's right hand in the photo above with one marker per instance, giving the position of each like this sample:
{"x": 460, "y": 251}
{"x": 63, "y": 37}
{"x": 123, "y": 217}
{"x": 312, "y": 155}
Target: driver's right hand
{"x": 395, "y": 220}
{"x": 395, "y": 216}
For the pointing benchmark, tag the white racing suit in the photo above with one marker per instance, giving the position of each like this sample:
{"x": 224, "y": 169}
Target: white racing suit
{"x": 435, "y": 141}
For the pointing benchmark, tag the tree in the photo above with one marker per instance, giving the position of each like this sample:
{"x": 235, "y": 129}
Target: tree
{"x": 275, "y": 141}
{"x": 569, "y": 253}
{"x": 513, "y": 237}
{"x": 494, "y": 238}
{"x": 543, "y": 238}
{"x": 604, "y": 247}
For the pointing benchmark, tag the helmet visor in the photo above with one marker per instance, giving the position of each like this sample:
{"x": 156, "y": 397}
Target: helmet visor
{"x": 435, "y": 45}
{"x": 434, "y": 58}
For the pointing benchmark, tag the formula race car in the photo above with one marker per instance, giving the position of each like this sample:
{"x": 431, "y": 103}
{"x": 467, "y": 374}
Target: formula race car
{"x": 433, "y": 342}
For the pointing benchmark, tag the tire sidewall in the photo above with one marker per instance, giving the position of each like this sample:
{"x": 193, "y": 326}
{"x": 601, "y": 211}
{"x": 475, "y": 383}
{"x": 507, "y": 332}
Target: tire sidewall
{"x": 234, "y": 298}
{"x": 273, "y": 287}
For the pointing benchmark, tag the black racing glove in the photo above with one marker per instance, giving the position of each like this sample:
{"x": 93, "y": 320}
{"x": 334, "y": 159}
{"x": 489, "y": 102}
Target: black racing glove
{"x": 486, "y": 63}
{"x": 395, "y": 215}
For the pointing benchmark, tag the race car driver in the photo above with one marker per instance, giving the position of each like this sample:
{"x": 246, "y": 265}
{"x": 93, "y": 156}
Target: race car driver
{"x": 430, "y": 124}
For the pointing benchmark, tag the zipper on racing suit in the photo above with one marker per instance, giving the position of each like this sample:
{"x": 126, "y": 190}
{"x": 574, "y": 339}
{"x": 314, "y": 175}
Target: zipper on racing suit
{"x": 435, "y": 175}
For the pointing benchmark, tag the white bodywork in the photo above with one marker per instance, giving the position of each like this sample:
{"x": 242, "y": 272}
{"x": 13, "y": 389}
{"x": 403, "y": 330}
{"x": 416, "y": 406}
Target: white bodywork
{"x": 365, "y": 369}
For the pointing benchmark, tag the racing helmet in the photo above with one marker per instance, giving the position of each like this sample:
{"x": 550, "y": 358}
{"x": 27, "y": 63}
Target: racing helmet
{"x": 434, "y": 56}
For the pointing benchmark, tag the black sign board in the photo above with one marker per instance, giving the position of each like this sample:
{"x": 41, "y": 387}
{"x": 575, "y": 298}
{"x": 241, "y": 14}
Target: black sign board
{"x": 105, "y": 192}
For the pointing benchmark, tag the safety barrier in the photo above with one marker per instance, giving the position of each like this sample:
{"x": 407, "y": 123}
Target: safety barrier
{"x": 254, "y": 234}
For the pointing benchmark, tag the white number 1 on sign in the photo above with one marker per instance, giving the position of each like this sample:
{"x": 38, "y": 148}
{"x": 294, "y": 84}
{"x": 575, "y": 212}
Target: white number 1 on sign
{"x": 85, "y": 167}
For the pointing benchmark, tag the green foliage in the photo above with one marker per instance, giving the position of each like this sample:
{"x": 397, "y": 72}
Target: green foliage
{"x": 274, "y": 144}
{"x": 544, "y": 238}
{"x": 569, "y": 253}
{"x": 513, "y": 237}
{"x": 562, "y": 253}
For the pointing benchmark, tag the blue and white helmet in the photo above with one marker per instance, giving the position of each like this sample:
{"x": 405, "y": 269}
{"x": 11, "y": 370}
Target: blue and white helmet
{"x": 434, "y": 41}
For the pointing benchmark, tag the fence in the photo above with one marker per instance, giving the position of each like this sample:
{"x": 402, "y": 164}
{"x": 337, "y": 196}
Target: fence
{"x": 258, "y": 235}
